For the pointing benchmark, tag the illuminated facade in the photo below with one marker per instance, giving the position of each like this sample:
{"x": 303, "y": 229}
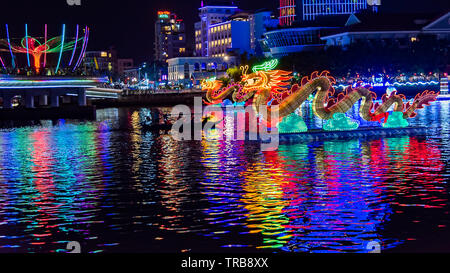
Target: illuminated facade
{"x": 313, "y": 8}
{"x": 170, "y": 37}
{"x": 287, "y": 12}
{"x": 308, "y": 10}
{"x": 210, "y": 15}
{"x": 231, "y": 34}
{"x": 191, "y": 70}
{"x": 285, "y": 41}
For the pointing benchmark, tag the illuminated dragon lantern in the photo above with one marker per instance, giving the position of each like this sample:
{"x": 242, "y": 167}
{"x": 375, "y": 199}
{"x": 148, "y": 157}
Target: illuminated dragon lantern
{"x": 267, "y": 88}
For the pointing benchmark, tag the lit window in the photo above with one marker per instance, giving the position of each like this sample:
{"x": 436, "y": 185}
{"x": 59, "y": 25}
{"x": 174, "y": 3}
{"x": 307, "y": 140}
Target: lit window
{"x": 104, "y": 54}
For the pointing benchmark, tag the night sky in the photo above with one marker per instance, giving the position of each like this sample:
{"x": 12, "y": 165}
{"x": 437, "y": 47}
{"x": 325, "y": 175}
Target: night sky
{"x": 129, "y": 24}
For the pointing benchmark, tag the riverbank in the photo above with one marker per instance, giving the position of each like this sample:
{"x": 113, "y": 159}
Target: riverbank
{"x": 172, "y": 98}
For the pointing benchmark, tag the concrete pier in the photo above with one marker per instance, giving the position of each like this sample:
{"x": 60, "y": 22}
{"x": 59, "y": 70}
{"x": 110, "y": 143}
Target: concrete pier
{"x": 29, "y": 101}
{"x": 54, "y": 100}
{"x": 43, "y": 100}
{"x": 82, "y": 97}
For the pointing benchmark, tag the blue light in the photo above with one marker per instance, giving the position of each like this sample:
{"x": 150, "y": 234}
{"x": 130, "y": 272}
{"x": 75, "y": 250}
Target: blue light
{"x": 62, "y": 47}
{"x": 26, "y": 42}
{"x": 10, "y": 49}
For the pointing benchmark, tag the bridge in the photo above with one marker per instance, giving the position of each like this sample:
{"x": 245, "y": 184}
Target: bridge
{"x": 45, "y": 88}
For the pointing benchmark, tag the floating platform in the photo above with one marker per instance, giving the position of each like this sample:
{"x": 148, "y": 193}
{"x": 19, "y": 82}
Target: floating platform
{"x": 361, "y": 133}
{"x": 64, "y": 112}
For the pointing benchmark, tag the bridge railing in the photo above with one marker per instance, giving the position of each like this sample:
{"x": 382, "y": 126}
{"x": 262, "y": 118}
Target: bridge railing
{"x": 128, "y": 92}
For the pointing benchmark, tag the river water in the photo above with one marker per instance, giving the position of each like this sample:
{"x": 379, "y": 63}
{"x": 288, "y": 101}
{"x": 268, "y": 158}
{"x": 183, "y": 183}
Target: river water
{"x": 115, "y": 188}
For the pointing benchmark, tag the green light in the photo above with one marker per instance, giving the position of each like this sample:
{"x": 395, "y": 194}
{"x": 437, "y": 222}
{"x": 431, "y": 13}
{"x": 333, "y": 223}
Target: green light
{"x": 292, "y": 124}
{"x": 269, "y": 65}
{"x": 340, "y": 122}
{"x": 396, "y": 120}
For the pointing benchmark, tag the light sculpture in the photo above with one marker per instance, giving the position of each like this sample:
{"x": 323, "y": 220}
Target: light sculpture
{"x": 396, "y": 120}
{"x": 340, "y": 122}
{"x": 266, "y": 88}
{"x": 269, "y": 65}
{"x": 292, "y": 123}
{"x": 37, "y": 48}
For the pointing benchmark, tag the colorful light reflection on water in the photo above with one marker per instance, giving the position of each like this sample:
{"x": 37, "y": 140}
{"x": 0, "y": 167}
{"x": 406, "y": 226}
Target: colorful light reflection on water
{"x": 114, "y": 188}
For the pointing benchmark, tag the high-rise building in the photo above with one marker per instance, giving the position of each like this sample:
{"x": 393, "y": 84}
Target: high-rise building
{"x": 288, "y": 12}
{"x": 170, "y": 37}
{"x": 307, "y": 10}
{"x": 211, "y": 13}
{"x": 231, "y": 34}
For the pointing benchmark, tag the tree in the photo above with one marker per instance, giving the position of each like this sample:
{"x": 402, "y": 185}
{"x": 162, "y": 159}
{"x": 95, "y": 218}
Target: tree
{"x": 225, "y": 81}
{"x": 234, "y": 73}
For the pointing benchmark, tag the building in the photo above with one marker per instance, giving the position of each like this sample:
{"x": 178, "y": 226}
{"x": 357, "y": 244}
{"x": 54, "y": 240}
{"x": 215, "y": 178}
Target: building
{"x": 124, "y": 64}
{"x": 231, "y": 35}
{"x": 282, "y": 42}
{"x": 214, "y": 12}
{"x": 131, "y": 75}
{"x": 101, "y": 63}
{"x": 260, "y": 22}
{"x": 170, "y": 37}
{"x": 304, "y": 22}
{"x": 190, "y": 71}
{"x": 292, "y": 11}
{"x": 399, "y": 29}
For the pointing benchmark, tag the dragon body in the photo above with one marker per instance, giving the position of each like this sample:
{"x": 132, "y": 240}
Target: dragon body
{"x": 272, "y": 88}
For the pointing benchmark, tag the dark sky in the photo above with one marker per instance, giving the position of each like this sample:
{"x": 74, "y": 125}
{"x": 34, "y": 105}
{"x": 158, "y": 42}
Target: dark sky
{"x": 129, "y": 24}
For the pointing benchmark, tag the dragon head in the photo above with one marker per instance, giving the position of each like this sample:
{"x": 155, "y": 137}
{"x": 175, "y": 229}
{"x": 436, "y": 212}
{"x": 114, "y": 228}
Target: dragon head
{"x": 274, "y": 80}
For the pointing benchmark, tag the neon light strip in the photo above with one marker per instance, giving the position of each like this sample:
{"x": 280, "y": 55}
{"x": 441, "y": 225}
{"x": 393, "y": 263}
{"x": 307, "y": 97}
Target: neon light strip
{"x": 3, "y": 64}
{"x": 62, "y": 47}
{"x": 45, "y": 86}
{"x": 45, "y": 53}
{"x": 26, "y": 41}
{"x": 269, "y": 65}
{"x": 74, "y": 48}
{"x": 17, "y": 81}
{"x": 10, "y": 49}
{"x": 83, "y": 50}
{"x": 395, "y": 83}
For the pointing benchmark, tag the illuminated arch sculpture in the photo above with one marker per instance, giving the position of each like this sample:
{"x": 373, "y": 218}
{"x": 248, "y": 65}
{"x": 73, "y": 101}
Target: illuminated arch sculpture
{"x": 39, "y": 49}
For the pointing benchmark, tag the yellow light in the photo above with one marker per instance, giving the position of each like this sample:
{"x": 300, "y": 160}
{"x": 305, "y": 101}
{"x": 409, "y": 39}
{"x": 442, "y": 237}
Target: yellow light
{"x": 104, "y": 54}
